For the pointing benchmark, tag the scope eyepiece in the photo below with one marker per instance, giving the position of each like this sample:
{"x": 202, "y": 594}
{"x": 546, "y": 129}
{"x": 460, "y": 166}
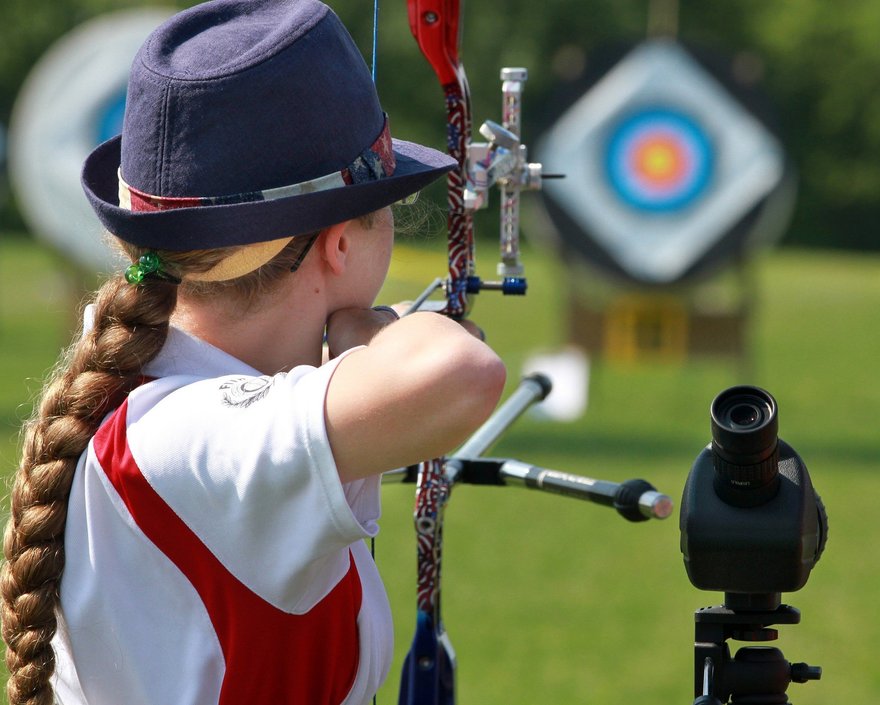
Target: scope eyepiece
{"x": 744, "y": 446}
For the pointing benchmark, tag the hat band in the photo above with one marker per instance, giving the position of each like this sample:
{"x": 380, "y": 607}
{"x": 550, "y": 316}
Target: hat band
{"x": 374, "y": 163}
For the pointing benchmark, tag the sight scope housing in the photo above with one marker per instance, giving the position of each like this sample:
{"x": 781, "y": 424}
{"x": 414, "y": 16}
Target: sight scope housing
{"x": 751, "y": 522}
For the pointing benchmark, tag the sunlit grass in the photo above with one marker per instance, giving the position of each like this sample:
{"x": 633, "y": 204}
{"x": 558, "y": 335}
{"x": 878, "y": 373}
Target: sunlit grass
{"x": 549, "y": 600}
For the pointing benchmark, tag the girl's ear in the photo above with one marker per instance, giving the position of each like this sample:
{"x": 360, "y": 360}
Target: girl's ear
{"x": 333, "y": 246}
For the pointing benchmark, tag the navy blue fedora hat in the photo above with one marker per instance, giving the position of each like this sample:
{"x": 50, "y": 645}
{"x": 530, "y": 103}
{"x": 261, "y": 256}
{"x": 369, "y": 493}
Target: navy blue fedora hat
{"x": 248, "y": 121}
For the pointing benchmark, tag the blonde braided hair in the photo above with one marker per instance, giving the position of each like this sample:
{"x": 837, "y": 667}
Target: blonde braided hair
{"x": 94, "y": 376}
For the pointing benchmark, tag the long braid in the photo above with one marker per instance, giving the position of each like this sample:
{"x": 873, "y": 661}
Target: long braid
{"x": 99, "y": 370}
{"x": 97, "y": 373}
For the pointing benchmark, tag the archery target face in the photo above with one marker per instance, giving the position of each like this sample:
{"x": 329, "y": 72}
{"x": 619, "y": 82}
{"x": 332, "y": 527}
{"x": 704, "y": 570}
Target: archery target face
{"x": 661, "y": 162}
{"x": 659, "y": 159}
{"x": 72, "y": 100}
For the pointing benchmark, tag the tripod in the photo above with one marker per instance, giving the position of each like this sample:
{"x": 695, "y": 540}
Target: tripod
{"x": 757, "y": 675}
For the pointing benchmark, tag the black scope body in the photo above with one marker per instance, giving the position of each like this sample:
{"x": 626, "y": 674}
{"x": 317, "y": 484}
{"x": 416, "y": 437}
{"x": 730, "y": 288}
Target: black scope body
{"x": 750, "y": 519}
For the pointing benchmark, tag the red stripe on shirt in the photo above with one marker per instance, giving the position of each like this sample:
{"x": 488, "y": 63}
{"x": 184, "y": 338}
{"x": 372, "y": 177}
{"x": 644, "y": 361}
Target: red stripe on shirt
{"x": 271, "y": 657}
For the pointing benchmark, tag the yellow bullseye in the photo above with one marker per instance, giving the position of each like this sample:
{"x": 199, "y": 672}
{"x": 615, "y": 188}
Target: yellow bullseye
{"x": 659, "y": 161}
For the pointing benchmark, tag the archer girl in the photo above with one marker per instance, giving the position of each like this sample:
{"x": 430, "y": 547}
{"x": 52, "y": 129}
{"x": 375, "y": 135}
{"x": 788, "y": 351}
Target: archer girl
{"x": 188, "y": 515}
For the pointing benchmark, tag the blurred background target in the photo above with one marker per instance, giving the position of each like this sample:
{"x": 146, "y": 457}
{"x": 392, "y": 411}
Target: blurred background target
{"x": 670, "y": 174}
{"x": 72, "y": 100}
{"x": 674, "y": 179}
{"x": 659, "y": 159}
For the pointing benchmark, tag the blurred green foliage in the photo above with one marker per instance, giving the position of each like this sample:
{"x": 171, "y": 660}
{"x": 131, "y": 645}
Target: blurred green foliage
{"x": 817, "y": 61}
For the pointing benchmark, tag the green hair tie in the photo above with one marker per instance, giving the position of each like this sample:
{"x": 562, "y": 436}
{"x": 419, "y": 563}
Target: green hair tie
{"x": 149, "y": 265}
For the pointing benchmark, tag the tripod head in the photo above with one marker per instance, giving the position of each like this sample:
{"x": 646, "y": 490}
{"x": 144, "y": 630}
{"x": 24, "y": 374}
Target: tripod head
{"x": 752, "y": 527}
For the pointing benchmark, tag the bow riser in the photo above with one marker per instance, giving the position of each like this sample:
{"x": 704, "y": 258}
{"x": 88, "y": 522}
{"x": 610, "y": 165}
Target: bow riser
{"x": 428, "y": 676}
{"x": 430, "y": 504}
{"x": 460, "y": 219}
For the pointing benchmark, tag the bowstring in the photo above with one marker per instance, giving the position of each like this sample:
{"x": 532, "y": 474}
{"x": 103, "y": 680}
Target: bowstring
{"x": 373, "y": 73}
{"x": 375, "y": 37}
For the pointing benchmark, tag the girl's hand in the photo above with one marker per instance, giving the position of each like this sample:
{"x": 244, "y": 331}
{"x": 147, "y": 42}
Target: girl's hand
{"x": 350, "y": 327}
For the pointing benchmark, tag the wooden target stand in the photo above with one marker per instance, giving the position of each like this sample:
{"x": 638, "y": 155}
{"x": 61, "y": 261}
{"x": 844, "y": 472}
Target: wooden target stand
{"x": 628, "y": 323}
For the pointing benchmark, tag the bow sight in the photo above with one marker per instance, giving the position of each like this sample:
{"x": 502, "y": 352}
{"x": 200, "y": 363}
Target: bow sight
{"x": 503, "y": 160}
{"x": 752, "y": 527}
{"x": 500, "y": 161}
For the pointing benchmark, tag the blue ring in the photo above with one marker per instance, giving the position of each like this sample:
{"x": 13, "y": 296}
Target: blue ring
{"x": 693, "y": 138}
{"x": 109, "y": 117}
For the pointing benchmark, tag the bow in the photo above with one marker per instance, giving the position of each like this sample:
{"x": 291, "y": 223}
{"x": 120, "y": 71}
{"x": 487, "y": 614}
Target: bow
{"x": 429, "y": 669}
{"x": 428, "y": 676}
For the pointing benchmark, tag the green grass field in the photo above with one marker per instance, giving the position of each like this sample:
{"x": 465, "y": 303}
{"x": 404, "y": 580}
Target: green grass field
{"x": 550, "y": 600}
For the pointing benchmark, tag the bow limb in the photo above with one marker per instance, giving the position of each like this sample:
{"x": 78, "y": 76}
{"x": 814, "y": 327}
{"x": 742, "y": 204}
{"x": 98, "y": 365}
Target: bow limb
{"x": 435, "y": 26}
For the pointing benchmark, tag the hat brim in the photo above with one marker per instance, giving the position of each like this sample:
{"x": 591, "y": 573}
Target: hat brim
{"x": 208, "y": 227}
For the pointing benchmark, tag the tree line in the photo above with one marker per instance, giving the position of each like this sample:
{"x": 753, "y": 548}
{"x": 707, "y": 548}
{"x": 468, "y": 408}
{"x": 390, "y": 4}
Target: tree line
{"x": 817, "y": 62}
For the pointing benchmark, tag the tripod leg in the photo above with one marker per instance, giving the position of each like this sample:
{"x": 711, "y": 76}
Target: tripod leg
{"x": 708, "y": 678}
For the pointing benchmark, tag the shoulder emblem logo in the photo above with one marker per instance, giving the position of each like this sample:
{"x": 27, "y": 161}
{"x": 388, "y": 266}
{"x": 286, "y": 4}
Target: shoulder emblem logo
{"x": 244, "y": 391}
